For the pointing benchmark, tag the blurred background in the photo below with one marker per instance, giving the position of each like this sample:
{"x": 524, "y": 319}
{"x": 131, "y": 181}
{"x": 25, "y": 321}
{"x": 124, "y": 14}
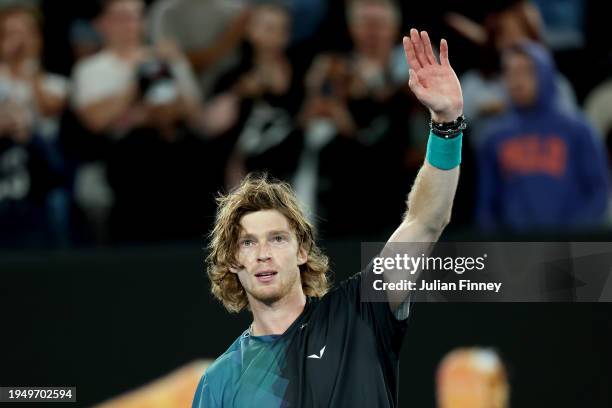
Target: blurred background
{"x": 120, "y": 120}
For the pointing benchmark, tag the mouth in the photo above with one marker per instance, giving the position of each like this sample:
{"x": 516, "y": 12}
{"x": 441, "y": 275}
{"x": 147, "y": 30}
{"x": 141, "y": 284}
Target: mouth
{"x": 265, "y": 276}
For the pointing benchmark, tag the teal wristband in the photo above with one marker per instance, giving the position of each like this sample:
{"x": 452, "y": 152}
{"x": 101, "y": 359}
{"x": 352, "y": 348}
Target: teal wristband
{"x": 444, "y": 154}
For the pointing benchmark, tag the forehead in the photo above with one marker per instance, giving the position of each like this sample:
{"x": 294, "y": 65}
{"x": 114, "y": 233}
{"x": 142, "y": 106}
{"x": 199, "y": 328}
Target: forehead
{"x": 371, "y": 11}
{"x": 270, "y": 14}
{"x": 264, "y": 221}
{"x": 125, "y": 6}
{"x": 19, "y": 19}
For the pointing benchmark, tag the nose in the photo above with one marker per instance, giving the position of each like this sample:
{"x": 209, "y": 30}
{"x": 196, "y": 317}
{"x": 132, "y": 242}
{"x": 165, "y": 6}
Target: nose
{"x": 264, "y": 253}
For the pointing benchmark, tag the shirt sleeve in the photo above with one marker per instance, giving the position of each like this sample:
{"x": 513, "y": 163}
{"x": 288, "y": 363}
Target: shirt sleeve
{"x": 204, "y": 397}
{"x": 388, "y": 329}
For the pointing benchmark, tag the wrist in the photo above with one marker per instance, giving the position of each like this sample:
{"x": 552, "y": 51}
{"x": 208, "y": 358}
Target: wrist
{"x": 446, "y": 117}
{"x": 444, "y": 153}
{"x": 448, "y": 130}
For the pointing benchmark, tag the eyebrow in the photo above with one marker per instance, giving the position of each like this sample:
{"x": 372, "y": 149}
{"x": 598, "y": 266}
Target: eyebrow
{"x": 276, "y": 232}
{"x": 273, "y": 232}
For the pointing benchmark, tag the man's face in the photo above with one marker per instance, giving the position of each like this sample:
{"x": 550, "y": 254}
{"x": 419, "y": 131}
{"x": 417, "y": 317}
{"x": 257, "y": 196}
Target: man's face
{"x": 521, "y": 79}
{"x": 270, "y": 257}
{"x": 122, "y": 22}
{"x": 269, "y": 29}
{"x": 374, "y": 28}
{"x": 20, "y": 38}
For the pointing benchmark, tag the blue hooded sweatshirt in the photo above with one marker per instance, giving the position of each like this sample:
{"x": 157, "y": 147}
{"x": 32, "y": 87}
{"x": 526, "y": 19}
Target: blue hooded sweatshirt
{"x": 541, "y": 167}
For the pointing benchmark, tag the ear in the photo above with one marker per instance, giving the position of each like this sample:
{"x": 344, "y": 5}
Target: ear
{"x": 302, "y": 256}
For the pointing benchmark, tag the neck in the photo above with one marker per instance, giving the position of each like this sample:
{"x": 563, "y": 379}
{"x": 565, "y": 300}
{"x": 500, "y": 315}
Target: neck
{"x": 267, "y": 56}
{"x": 378, "y": 57}
{"x": 275, "y": 318}
{"x": 125, "y": 50}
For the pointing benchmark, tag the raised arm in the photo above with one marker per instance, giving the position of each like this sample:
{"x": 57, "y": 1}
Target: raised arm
{"x": 435, "y": 84}
{"x": 430, "y": 201}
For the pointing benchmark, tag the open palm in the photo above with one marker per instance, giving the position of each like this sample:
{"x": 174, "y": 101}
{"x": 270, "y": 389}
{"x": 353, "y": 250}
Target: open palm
{"x": 434, "y": 83}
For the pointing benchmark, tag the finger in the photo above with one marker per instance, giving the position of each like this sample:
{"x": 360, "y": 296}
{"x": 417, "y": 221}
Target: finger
{"x": 444, "y": 52}
{"x": 431, "y": 58}
{"x": 418, "y": 47}
{"x": 413, "y": 62}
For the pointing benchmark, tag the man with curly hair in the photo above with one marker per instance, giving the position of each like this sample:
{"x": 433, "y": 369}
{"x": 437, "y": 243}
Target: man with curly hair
{"x": 308, "y": 345}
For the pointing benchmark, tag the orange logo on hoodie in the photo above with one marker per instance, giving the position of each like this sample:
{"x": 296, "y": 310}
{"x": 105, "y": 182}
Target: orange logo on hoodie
{"x": 534, "y": 154}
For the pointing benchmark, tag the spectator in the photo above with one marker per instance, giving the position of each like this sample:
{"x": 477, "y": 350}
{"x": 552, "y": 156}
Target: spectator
{"x": 540, "y": 167}
{"x": 118, "y": 92}
{"x": 39, "y": 94}
{"x": 31, "y": 198}
{"x": 598, "y": 108}
{"x": 208, "y": 31}
{"x": 262, "y": 94}
{"x": 106, "y": 89}
{"x": 483, "y": 87}
{"x": 357, "y": 109}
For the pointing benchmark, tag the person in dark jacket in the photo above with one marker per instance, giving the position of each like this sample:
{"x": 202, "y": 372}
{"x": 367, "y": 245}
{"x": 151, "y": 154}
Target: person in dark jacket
{"x": 541, "y": 167}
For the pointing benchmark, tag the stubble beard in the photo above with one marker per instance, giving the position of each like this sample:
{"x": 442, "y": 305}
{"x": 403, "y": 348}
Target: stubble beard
{"x": 271, "y": 297}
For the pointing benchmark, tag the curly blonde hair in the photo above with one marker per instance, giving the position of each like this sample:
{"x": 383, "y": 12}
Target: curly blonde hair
{"x": 258, "y": 192}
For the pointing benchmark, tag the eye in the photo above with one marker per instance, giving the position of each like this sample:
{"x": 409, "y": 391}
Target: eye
{"x": 278, "y": 238}
{"x": 246, "y": 242}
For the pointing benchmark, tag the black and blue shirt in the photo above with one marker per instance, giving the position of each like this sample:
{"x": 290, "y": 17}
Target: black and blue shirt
{"x": 340, "y": 352}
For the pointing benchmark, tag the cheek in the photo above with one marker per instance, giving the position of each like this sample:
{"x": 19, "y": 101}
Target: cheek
{"x": 282, "y": 37}
{"x": 293, "y": 260}
{"x": 260, "y": 33}
{"x": 135, "y": 28}
{"x": 243, "y": 278}
{"x": 532, "y": 86}
{"x": 245, "y": 257}
{"x": 514, "y": 81}
{"x": 281, "y": 257}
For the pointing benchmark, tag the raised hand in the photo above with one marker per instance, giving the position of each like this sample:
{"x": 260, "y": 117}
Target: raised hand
{"x": 434, "y": 83}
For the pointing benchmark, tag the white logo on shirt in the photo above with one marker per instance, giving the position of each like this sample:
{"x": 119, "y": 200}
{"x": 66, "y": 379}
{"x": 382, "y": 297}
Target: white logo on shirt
{"x": 320, "y": 356}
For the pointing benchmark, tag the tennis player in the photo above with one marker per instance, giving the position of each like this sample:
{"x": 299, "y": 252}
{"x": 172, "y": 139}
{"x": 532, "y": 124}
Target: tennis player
{"x": 309, "y": 346}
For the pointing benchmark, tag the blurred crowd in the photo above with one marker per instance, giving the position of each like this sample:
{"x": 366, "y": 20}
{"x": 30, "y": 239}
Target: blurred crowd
{"x": 167, "y": 102}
